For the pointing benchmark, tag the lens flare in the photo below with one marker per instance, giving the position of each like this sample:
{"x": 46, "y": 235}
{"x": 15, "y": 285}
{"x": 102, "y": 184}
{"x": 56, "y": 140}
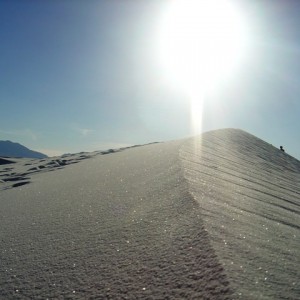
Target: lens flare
{"x": 201, "y": 44}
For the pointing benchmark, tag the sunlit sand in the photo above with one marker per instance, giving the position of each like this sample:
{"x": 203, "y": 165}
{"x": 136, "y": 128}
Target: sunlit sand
{"x": 210, "y": 217}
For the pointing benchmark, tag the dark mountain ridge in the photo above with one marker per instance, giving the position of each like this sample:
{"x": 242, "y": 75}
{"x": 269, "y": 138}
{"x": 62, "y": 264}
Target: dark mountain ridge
{"x": 11, "y": 149}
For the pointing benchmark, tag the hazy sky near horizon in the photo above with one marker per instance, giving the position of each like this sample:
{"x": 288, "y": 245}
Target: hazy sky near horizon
{"x": 85, "y": 75}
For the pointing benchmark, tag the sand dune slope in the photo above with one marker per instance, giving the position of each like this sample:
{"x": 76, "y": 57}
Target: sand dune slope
{"x": 119, "y": 226}
{"x": 212, "y": 217}
{"x": 249, "y": 194}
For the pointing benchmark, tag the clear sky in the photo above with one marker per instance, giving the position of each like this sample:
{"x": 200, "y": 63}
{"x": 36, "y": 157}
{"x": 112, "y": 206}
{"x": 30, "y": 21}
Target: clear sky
{"x": 87, "y": 75}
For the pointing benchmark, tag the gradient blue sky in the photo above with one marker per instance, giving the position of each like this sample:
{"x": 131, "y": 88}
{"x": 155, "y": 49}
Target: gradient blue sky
{"x": 84, "y": 75}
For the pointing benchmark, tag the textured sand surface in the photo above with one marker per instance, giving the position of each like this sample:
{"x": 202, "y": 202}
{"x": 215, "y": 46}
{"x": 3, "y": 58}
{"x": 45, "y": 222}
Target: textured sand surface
{"x": 249, "y": 194}
{"x": 117, "y": 226}
{"x": 213, "y": 217}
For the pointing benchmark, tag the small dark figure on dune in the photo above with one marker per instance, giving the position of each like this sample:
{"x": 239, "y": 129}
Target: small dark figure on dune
{"x": 281, "y": 148}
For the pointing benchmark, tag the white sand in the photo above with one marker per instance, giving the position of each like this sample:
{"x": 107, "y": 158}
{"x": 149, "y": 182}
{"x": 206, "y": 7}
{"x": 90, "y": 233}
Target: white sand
{"x": 249, "y": 194}
{"x": 162, "y": 221}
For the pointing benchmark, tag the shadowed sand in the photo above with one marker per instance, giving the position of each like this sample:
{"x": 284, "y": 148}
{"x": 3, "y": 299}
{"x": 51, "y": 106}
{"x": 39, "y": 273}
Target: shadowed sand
{"x": 249, "y": 195}
{"x": 177, "y": 220}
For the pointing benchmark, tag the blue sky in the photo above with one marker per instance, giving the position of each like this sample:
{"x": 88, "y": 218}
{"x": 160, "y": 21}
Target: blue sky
{"x": 85, "y": 75}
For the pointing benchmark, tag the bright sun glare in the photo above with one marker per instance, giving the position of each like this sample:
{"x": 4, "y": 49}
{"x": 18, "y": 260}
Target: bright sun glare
{"x": 201, "y": 44}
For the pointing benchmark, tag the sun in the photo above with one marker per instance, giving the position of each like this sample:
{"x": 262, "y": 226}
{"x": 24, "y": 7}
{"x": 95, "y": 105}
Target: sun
{"x": 201, "y": 44}
{"x": 201, "y": 41}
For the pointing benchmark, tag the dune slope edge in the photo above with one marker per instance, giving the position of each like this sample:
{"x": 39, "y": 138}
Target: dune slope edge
{"x": 119, "y": 226}
{"x": 249, "y": 195}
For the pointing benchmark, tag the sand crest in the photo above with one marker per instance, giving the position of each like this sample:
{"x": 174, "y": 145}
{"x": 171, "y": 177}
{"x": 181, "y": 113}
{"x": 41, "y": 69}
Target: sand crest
{"x": 203, "y": 218}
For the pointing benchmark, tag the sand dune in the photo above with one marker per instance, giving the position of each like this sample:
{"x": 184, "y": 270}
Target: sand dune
{"x": 249, "y": 194}
{"x": 212, "y": 217}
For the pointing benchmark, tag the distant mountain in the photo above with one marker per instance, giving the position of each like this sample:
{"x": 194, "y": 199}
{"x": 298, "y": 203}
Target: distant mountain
{"x": 5, "y": 161}
{"x": 11, "y": 149}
